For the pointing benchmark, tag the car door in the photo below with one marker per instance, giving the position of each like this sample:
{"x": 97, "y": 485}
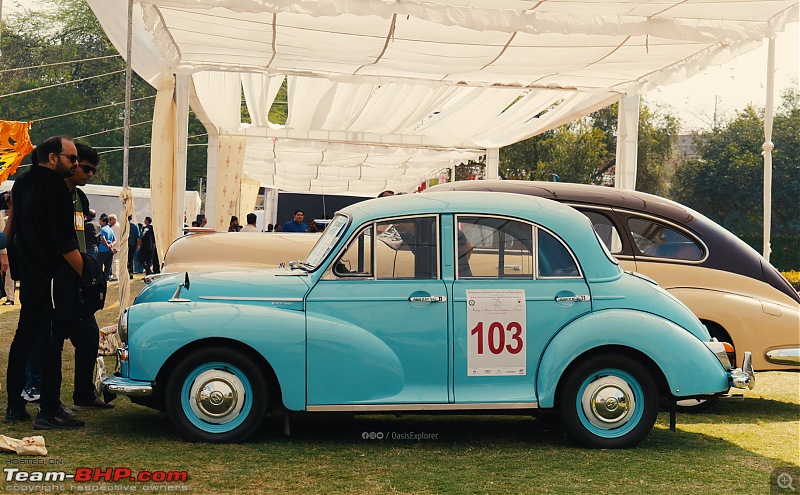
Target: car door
{"x": 523, "y": 285}
{"x": 377, "y": 330}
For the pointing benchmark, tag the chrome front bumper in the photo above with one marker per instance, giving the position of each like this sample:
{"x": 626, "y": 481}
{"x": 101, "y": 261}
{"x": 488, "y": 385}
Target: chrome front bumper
{"x": 125, "y": 386}
{"x": 744, "y": 377}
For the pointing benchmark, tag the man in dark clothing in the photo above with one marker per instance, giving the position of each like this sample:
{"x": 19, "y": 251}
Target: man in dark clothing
{"x": 44, "y": 231}
{"x": 84, "y": 334}
{"x": 134, "y": 241}
{"x": 148, "y": 248}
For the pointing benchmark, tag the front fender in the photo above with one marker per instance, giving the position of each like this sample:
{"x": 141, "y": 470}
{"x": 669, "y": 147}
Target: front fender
{"x": 689, "y": 367}
{"x": 159, "y": 330}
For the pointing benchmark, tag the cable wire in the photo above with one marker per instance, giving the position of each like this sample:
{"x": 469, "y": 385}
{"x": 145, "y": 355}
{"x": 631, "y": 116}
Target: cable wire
{"x": 61, "y": 84}
{"x": 90, "y": 109}
{"x": 56, "y": 63}
{"x": 114, "y": 129}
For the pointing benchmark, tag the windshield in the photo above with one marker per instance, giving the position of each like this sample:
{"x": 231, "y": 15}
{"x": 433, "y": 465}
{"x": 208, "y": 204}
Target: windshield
{"x": 329, "y": 238}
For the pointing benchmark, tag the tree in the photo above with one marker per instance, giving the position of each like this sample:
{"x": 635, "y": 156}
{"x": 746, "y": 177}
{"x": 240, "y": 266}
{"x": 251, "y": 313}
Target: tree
{"x": 584, "y": 151}
{"x": 67, "y": 31}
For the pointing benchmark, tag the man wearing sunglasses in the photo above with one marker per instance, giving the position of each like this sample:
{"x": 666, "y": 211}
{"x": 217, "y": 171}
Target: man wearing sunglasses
{"x": 43, "y": 226}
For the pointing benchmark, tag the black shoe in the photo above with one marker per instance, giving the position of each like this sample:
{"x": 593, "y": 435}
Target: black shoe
{"x": 98, "y": 403}
{"x": 56, "y": 421}
{"x": 16, "y": 415}
{"x": 8, "y": 303}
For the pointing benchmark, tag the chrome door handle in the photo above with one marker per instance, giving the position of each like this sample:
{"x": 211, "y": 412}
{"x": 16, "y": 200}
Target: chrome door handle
{"x": 582, "y": 298}
{"x": 428, "y": 299}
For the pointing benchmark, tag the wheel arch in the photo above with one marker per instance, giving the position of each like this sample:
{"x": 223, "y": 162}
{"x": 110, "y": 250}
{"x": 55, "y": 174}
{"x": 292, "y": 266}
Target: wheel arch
{"x": 688, "y": 367}
{"x": 275, "y": 396}
{"x": 616, "y": 350}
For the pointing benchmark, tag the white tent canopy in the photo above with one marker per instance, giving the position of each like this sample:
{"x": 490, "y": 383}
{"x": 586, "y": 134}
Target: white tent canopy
{"x": 447, "y": 76}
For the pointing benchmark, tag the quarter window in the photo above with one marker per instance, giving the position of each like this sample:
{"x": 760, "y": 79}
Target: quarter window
{"x": 357, "y": 258}
{"x": 554, "y": 258}
{"x": 661, "y": 241}
{"x": 605, "y": 230}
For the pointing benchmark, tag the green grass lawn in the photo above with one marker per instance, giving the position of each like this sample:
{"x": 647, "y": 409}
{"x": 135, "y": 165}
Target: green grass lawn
{"x": 730, "y": 450}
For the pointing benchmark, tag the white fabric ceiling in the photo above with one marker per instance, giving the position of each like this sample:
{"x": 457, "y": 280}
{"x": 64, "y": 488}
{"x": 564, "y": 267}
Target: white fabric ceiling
{"x": 466, "y": 74}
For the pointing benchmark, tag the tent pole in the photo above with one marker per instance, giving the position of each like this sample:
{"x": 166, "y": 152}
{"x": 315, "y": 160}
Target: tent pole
{"x": 181, "y": 137}
{"x": 627, "y": 142}
{"x": 768, "y": 146}
{"x": 126, "y": 143}
{"x": 212, "y": 179}
{"x": 492, "y": 163}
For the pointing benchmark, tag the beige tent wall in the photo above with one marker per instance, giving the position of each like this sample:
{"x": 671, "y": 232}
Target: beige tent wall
{"x": 248, "y": 197}
{"x": 162, "y": 171}
{"x": 230, "y": 160}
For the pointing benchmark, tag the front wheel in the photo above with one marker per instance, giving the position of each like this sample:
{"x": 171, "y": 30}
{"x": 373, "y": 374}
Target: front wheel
{"x": 609, "y": 402}
{"x": 217, "y": 396}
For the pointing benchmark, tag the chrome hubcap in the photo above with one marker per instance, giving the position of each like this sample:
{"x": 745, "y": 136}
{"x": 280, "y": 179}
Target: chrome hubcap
{"x": 608, "y": 402}
{"x": 216, "y": 396}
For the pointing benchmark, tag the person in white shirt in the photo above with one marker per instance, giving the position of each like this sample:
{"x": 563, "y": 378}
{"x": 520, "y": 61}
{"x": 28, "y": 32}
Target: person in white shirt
{"x": 112, "y": 222}
{"x": 251, "y": 223}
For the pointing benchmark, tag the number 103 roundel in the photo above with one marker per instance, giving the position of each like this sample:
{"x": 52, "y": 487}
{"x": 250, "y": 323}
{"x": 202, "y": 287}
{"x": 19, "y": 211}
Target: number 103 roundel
{"x": 496, "y": 332}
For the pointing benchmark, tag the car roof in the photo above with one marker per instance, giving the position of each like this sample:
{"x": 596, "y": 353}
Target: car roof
{"x": 580, "y": 193}
{"x": 573, "y": 227}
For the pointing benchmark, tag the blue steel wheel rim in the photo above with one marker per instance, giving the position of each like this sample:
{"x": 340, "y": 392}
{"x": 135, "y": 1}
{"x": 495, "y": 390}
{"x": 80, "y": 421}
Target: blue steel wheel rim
{"x": 632, "y": 418}
{"x": 227, "y": 373}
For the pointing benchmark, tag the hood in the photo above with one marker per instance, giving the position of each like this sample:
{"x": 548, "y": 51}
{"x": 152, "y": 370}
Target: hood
{"x": 242, "y": 287}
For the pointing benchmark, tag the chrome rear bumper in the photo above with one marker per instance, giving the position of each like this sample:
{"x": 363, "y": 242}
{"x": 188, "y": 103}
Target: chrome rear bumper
{"x": 744, "y": 377}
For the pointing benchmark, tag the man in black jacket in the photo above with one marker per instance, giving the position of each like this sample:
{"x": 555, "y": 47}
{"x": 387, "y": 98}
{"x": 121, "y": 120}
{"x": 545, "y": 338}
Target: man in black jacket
{"x": 43, "y": 224}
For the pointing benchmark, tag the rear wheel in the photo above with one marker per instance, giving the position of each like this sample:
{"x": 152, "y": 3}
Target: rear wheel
{"x": 217, "y": 396}
{"x": 609, "y": 402}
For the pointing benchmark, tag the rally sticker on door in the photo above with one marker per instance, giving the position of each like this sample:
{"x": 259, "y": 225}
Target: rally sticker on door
{"x": 496, "y": 332}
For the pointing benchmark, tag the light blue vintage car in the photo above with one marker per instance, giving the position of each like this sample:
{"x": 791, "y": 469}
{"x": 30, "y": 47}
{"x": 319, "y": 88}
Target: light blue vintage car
{"x": 456, "y": 302}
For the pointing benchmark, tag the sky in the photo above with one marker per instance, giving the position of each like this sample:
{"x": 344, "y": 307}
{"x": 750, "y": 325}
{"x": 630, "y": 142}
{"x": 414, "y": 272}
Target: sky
{"x": 726, "y": 88}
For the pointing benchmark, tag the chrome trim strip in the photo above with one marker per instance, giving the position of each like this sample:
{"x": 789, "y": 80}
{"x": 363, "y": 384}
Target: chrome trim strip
{"x": 246, "y": 298}
{"x": 787, "y": 356}
{"x": 423, "y": 407}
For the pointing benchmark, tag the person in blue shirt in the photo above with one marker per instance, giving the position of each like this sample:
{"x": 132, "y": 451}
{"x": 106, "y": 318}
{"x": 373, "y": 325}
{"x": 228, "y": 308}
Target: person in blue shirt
{"x": 134, "y": 242}
{"x": 105, "y": 250}
{"x": 297, "y": 224}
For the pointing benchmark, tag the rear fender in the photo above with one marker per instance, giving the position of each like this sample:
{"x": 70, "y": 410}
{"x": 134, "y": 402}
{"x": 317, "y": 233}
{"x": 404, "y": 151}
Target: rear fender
{"x": 688, "y": 366}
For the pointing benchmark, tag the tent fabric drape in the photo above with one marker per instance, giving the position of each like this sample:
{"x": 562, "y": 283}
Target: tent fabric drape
{"x": 230, "y": 160}
{"x": 248, "y": 196}
{"x": 162, "y": 174}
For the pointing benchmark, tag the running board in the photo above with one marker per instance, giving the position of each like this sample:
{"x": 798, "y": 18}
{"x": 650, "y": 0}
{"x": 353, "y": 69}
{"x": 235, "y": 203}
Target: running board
{"x": 423, "y": 407}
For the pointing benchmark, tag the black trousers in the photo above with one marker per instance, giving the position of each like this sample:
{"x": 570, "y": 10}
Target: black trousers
{"x": 85, "y": 338}
{"x": 35, "y": 319}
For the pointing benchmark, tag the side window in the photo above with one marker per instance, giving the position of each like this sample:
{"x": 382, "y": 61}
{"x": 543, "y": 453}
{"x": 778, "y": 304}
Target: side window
{"x": 494, "y": 248}
{"x": 661, "y": 241}
{"x": 554, "y": 259}
{"x": 357, "y": 258}
{"x": 408, "y": 248}
{"x": 606, "y": 231}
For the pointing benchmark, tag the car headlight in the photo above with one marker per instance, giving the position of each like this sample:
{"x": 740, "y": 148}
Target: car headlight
{"x": 122, "y": 326}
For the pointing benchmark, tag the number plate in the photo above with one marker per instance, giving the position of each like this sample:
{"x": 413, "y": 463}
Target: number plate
{"x": 496, "y": 332}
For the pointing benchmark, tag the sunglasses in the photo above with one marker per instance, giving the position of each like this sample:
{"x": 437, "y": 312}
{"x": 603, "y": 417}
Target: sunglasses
{"x": 88, "y": 168}
{"x": 70, "y": 157}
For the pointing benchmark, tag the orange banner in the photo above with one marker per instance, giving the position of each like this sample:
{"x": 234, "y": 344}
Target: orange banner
{"x": 15, "y": 143}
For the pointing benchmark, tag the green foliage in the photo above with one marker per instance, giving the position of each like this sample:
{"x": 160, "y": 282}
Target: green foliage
{"x": 585, "y": 150}
{"x": 726, "y": 180}
{"x": 66, "y": 31}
